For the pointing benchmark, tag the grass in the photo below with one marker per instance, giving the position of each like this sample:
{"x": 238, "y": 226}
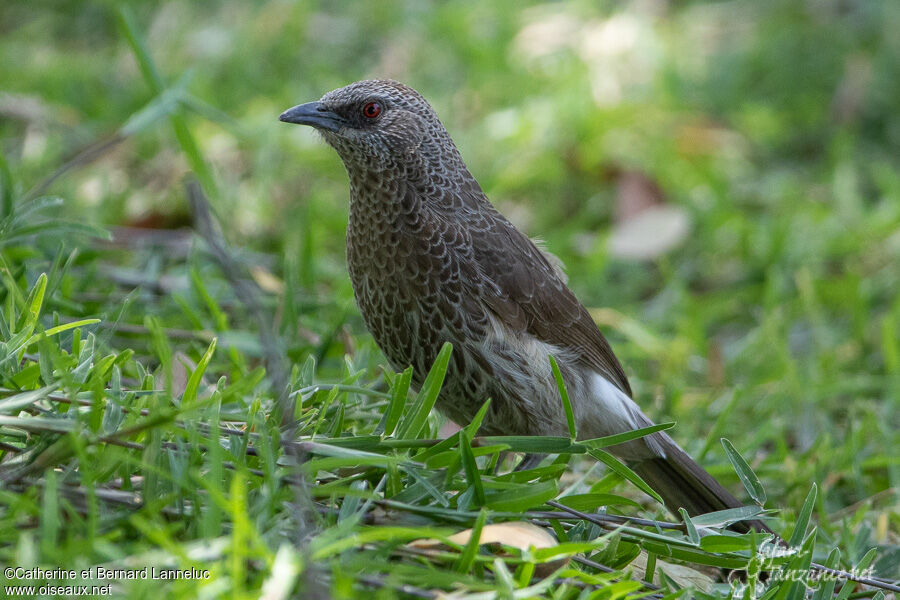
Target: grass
{"x": 208, "y": 399}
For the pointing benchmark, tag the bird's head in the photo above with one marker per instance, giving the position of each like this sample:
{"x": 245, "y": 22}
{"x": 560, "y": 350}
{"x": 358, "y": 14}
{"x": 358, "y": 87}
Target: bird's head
{"x": 377, "y": 124}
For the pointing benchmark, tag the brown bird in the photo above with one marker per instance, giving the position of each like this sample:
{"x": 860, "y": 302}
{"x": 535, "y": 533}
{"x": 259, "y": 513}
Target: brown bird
{"x": 432, "y": 261}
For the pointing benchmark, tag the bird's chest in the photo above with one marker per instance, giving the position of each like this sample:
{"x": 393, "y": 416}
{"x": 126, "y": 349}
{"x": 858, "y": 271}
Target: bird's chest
{"x": 406, "y": 282}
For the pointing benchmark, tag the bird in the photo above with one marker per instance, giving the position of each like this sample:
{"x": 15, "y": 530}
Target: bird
{"x": 431, "y": 260}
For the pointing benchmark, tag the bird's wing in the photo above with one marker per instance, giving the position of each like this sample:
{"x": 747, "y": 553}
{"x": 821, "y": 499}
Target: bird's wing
{"x": 527, "y": 291}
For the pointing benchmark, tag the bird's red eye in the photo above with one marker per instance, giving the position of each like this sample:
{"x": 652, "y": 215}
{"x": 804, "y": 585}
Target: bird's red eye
{"x": 371, "y": 110}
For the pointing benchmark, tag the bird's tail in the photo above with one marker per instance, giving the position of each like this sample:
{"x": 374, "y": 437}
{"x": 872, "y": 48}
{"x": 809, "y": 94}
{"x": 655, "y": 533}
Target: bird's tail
{"x": 683, "y": 483}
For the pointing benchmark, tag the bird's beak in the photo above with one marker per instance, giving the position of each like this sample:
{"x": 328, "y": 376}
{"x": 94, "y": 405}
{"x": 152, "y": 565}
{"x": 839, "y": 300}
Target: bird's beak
{"x": 314, "y": 114}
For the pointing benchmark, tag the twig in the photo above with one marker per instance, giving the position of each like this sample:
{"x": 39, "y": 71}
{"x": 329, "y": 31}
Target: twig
{"x": 248, "y": 293}
{"x": 604, "y": 519}
{"x": 876, "y": 583}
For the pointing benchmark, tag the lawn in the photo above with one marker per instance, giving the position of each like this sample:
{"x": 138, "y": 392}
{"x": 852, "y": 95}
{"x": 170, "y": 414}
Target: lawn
{"x": 191, "y": 406}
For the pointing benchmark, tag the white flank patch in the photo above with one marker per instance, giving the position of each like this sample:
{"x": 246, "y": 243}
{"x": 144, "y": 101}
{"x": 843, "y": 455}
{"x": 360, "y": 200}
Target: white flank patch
{"x": 619, "y": 412}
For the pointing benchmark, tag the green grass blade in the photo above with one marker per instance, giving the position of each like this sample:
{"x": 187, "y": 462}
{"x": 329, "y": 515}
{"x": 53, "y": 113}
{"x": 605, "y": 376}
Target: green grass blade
{"x": 14, "y": 403}
{"x": 724, "y": 543}
{"x": 472, "y": 428}
{"x": 39, "y": 424}
{"x": 564, "y": 395}
{"x": 29, "y": 318}
{"x": 826, "y": 588}
{"x": 518, "y": 499}
{"x": 473, "y": 475}
{"x": 799, "y": 565}
{"x": 591, "y": 502}
{"x": 802, "y": 522}
{"x": 158, "y": 108}
{"x": 399, "y": 392}
{"x": 439, "y": 448}
{"x": 621, "y": 469}
{"x": 722, "y": 518}
{"x": 470, "y": 550}
{"x": 536, "y": 444}
{"x": 745, "y": 473}
{"x": 689, "y": 526}
{"x": 415, "y": 420}
{"x": 193, "y": 384}
{"x": 154, "y": 80}
{"x": 50, "y": 521}
{"x": 627, "y": 436}
{"x": 65, "y": 327}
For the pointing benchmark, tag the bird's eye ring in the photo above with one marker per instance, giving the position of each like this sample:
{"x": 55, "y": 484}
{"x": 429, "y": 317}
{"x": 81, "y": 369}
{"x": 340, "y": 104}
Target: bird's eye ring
{"x": 371, "y": 110}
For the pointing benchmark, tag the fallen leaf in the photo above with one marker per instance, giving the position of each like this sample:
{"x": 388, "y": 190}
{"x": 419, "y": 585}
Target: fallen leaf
{"x": 266, "y": 280}
{"x": 516, "y": 534}
{"x": 650, "y": 234}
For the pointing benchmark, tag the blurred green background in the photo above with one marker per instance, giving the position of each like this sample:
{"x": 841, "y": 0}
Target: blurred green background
{"x": 721, "y": 180}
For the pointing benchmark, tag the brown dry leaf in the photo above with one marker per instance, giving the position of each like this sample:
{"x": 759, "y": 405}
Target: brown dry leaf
{"x": 266, "y": 280}
{"x": 516, "y": 534}
{"x": 683, "y": 576}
